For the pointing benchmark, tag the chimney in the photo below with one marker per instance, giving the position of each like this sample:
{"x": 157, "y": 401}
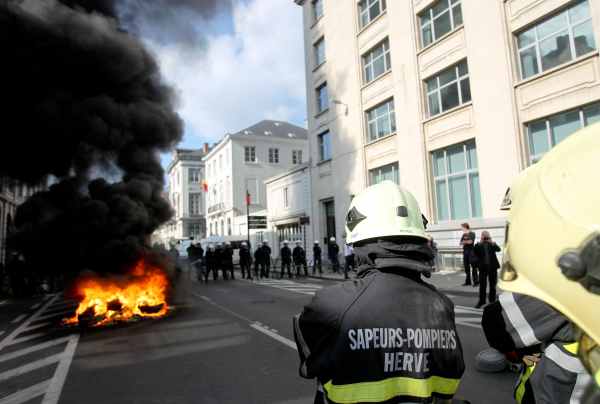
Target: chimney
{"x": 205, "y": 148}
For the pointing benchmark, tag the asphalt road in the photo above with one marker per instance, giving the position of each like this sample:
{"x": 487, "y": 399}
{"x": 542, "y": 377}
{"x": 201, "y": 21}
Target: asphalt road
{"x": 226, "y": 342}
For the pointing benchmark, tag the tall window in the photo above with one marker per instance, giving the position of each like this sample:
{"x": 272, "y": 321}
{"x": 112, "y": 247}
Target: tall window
{"x": 377, "y": 61}
{"x": 229, "y": 226}
{"x": 368, "y": 10}
{"x": 319, "y": 49}
{"x": 322, "y": 98}
{"x": 317, "y": 9}
{"x": 194, "y": 230}
{"x": 273, "y": 156}
{"x": 296, "y": 156}
{"x": 439, "y": 19}
{"x": 193, "y": 175}
{"x": 250, "y": 154}
{"x": 381, "y": 121}
{"x": 448, "y": 89}
{"x": 329, "y": 213}
{"x": 195, "y": 204}
{"x": 286, "y": 202}
{"x": 556, "y": 40}
{"x": 546, "y": 133}
{"x": 325, "y": 146}
{"x": 456, "y": 178}
{"x": 389, "y": 172}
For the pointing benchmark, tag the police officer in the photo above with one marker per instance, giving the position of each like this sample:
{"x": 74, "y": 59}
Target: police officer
{"x": 317, "y": 263}
{"x": 265, "y": 268}
{"x": 299, "y": 258}
{"x": 245, "y": 261}
{"x": 211, "y": 262}
{"x": 227, "y": 261}
{"x": 387, "y": 336}
{"x": 333, "y": 251}
{"x": 219, "y": 260}
{"x": 552, "y": 253}
{"x": 195, "y": 258}
{"x": 258, "y": 262}
{"x": 286, "y": 259}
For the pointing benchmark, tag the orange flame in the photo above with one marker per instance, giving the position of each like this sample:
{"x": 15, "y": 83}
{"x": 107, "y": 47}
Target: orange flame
{"x": 143, "y": 294}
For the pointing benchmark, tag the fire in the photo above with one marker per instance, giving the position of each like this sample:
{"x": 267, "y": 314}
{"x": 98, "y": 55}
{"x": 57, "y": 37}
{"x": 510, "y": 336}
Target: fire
{"x": 142, "y": 294}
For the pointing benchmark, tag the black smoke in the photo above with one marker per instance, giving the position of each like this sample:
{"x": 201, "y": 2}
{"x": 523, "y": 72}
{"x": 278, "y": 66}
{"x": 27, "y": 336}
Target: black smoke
{"x": 83, "y": 103}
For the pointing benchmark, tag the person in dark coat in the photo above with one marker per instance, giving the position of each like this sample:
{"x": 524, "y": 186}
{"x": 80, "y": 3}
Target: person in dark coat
{"x": 333, "y": 251}
{"x": 245, "y": 261}
{"x": 485, "y": 251}
{"x": 258, "y": 259}
{"x": 317, "y": 263}
{"x": 227, "y": 261}
{"x": 467, "y": 242}
{"x": 265, "y": 268}
{"x": 211, "y": 262}
{"x": 300, "y": 259}
{"x": 195, "y": 258}
{"x": 286, "y": 259}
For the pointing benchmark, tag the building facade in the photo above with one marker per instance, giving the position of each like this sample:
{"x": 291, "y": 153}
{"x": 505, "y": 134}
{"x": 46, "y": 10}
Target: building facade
{"x": 240, "y": 163}
{"x": 185, "y": 194}
{"x": 449, "y": 98}
{"x": 289, "y": 206}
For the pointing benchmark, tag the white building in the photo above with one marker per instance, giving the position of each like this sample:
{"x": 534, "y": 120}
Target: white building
{"x": 185, "y": 194}
{"x": 449, "y": 98}
{"x": 289, "y": 206}
{"x": 240, "y": 163}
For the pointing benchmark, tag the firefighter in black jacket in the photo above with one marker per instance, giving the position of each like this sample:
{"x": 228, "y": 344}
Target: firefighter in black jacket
{"x": 299, "y": 258}
{"x": 286, "y": 259}
{"x": 387, "y": 336}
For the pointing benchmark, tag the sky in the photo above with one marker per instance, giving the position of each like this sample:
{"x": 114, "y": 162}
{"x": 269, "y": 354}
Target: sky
{"x": 231, "y": 67}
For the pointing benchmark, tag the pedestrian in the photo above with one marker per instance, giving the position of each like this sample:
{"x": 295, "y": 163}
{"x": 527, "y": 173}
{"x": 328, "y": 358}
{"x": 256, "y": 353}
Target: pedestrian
{"x": 317, "y": 263}
{"x": 436, "y": 259}
{"x": 227, "y": 261}
{"x": 266, "y": 259}
{"x": 387, "y": 336}
{"x": 245, "y": 261}
{"x": 486, "y": 251}
{"x": 299, "y": 258}
{"x": 286, "y": 259}
{"x": 211, "y": 260}
{"x": 467, "y": 242}
{"x": 333, "y": 251}
{"x": 348, "y": 259}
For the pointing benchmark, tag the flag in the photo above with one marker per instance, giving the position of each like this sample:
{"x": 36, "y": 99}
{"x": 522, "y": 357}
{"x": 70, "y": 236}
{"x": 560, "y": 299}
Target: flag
{"x": 248, "y": 200}
{"x": 205, "y": 185}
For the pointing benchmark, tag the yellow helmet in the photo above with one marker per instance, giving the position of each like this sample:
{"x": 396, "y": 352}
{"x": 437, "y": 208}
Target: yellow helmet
{"x": 384, "y": 210}
{"x": 554, "y": 211}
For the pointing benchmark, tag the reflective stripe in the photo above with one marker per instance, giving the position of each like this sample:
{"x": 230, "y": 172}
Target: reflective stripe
{"x": 564, "y": 360}
{"x": 521, "y": 387}
{"x": 580, "y": 385}
{"x": 517, "y": 319}
{"x": 597, "y": 377}
{"x": 572, "y": 348}
{"x": 383, "y": 390}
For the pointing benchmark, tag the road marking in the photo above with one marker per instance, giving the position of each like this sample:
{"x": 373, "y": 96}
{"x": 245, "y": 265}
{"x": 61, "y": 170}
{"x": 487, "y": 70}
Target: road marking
{"x": 34, "y": 348}
{"x": 35, "y": 327}
{"x": 3, "y": 302}
{"x": 2, "y": 332}
{"x": 15, "y": 341}
{"x": 35, "y": 306}
{"x": 19, "y": 319}
{"x": 58, "y": 313}
{"x": 58, "y": 381}
{"x": 277, "y": 337}
{"x": 31, "y": 366}
{"x": 6, "y": 341}
{"x": 22, "y": 396}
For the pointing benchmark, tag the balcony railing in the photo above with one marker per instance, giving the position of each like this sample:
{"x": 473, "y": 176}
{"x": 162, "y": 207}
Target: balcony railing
{"x": 216, "y": 208}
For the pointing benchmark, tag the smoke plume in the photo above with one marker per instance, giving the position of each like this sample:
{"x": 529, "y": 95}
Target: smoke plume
{"x": 81, "y": 97}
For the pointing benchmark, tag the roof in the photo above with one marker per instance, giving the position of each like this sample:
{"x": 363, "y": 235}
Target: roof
{"x": 274, "y": 129}
{"x": 185, "y": 155}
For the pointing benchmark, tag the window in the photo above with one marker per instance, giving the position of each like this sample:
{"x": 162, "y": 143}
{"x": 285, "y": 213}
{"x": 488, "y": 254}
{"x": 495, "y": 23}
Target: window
{"x": 329, "y": 213}
{"x": 317, "y": 7}
{"x": 250, "y": 154}
{"x": 368, "y": 10}
{"x": 273, "y": 156}
{"x": 296, "y": 156}
{"x": 556, "y": 40}
{"x": 387, "y": 172}
{"x": 441, "y": 18}
{"x": 377, "y": 61}
{"x": 229, "y": 226}
{"x": 325, "y": 146}
{"x": 456, "y": 178}
{"x": 546, "y": 133}
{"x": 195, "y": 204}
{"x": 381, "y": 121}
{"x": 193, "y": 176}
{"x": 448, "y": 89}
{"x": 319, "y": 49}
{"x": 286, "y": 202}
{"x": 322, "y": 98}
{"x": 194, "y": 230}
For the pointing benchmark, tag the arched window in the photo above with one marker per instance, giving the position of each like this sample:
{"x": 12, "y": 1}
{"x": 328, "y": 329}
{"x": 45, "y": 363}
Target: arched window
{"x": 229, "y": 226}
{"x": 222, "y": 227}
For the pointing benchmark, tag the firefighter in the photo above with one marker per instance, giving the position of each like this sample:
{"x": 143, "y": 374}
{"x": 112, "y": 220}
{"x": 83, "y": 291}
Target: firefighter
{"x": 299, "y": 258}
{"x": 552, "y": 253}
{"x": 387, "y": 336}
{"x": 286, "y": 259}
{"x": 245, "y": 261}
{"x": 227, "y": 261}
{"x": 211, "y": 263}
{"x": 317, "y": 263}
{"x": 333, "y": 251}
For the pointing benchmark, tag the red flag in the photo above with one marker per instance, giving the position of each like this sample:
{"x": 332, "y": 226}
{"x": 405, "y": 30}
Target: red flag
{"x": 204, "y": 185}
{"x": 248, "y": 200}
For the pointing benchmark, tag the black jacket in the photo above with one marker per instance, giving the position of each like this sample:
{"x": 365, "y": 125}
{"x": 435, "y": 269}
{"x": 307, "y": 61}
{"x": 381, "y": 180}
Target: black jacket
{"x": 333, "y": 250}
{"x": 210, "y": 258}
{"x": 379, "y": 327}
{"x": 286, "y": 254}
{"x": 227, "y": 257}
{"x": 480, "y": 252}
{"x": 299, "y": 255}
{"x": 317, "y": 251}
{"x": 245, "y": 256}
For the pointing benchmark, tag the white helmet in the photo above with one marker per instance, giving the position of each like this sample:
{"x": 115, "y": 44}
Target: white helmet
{"x": 298, "y": 242}
{"x": 285, "y": 242}
{"x": 265, "y": 242}
{"x": 244, "y": 244}
{"x": 384, "y": 210}
{"x": 332, "y": 239}
{"x": 227, "y": 243}
{"x": 316, "y": 241}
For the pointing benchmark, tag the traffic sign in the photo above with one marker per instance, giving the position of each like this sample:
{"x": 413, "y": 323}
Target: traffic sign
{"x": 257, "y": 222}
